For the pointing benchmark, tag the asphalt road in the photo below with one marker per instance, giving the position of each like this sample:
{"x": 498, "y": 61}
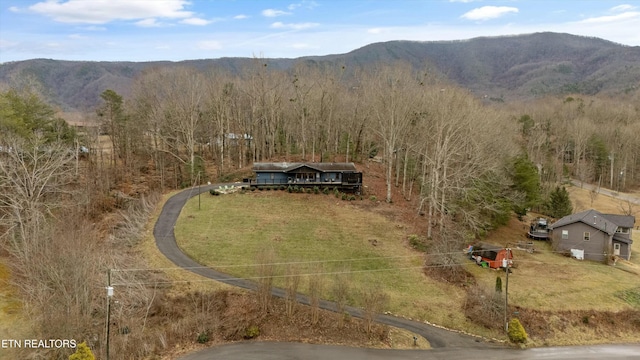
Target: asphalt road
{"x": 611, "y": 193}
{"x": 297, "y": 351}
{"x": 445, "y": 344}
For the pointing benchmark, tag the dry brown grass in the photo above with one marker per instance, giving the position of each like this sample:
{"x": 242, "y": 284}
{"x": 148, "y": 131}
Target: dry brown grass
{"x": 581, "y": 200}
{"x": 181, "y": 280}
{"x": 549, "y": 281}
{"x": 563, "y": 301}
{"x": 12, "y": 322}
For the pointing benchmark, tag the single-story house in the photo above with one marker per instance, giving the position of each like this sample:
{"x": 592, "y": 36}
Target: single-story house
{"x": 344, "y": 176}
{"x": 599, "y": 235}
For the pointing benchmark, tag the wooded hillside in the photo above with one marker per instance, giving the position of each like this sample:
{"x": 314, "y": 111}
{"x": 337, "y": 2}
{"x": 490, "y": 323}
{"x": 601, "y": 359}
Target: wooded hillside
{"x": 464, "y": 162}
{"x": 498, "y": 68}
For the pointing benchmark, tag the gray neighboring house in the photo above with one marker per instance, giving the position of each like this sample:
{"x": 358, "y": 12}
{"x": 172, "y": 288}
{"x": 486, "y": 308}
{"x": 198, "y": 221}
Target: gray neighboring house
{"x": 599, "y": 235}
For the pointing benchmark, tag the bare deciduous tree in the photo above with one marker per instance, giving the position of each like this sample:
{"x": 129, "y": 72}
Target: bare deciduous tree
{"x": 292, "y": 282}
{"x": 315, "y": 285}
{"x": 374, "y": 301}
{"x": 266, "y": 270}
{"x": 340, "y": 291}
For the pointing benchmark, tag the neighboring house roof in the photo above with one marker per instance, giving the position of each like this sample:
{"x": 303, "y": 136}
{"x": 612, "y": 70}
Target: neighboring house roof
{"x": 607, "y": 223}
{"x": 287, "y": 167}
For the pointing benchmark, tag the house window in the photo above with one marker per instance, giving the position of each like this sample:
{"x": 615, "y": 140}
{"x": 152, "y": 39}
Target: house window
{"x": 621, "y": 230}
{"x": 565, "y": 234}
{"x": 587, "y": 236}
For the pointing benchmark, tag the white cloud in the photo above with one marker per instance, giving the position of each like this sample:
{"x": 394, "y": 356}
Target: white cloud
{"x": 196, "y": 21}
{"x": 375, "y": 30}
{"x": 209, "y": 45}
{"x": 148, "y": 23}
{"x": 294, "y": 26}
{"x": 240, "y": 17}
{"x": 104, "y": 11}
{"x": 274, "y": 13}
{"x": 625, "y": 7}
{"x": 489, "y": 12}
{"x": 612, "y": 18}
{"x": 303, "y": 46}
{"x": 14, "y": 9}
{"x": 77, "y": 36}
{"x": 305, "y": 3}
{"x": 94, "y": 28}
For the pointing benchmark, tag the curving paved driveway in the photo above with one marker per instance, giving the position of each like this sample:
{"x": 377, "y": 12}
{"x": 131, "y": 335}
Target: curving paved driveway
{"x": 445, "y": 344}
{"x": 166, "y": 243}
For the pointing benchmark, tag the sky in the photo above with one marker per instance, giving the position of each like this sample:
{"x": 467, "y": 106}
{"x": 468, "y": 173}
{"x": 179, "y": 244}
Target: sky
{"x": 175, "y": 30}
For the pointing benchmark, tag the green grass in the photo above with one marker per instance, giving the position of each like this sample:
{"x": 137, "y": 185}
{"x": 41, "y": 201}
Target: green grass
{"x": 545, "y": 280}
{"x": 321, "y": 234}
{"x": 229, "y": 232}
{"x": 631, "y": 296}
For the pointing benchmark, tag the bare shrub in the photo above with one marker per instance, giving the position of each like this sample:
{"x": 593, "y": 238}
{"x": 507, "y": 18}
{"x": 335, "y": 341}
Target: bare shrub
{"x": 485, "y": 307}
{"x": 316, "y": 284}
{"x": 445, "y": 257}
{"x": 266, "y": 270}
{"x": 340, "y": 291}
{"x": 134, "y": 218}
{"x": 374, "y": 300}
{"x": 292, "y": 282}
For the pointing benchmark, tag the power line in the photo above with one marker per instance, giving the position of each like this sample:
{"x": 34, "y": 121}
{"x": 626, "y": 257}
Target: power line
{"x": 394, "y": 269}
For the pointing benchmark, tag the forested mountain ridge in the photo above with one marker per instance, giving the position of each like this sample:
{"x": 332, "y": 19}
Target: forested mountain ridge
{"x": 499, "y": 68}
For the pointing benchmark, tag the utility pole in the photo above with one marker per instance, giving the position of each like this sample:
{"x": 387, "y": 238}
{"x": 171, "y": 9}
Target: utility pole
{"x": 109, "y": 295}
{"x": 199, "y": 190}
{"x": 505, "y": 264}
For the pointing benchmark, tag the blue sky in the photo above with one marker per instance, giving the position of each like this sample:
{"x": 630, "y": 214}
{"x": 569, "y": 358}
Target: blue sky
{"x": 147, "y": 30}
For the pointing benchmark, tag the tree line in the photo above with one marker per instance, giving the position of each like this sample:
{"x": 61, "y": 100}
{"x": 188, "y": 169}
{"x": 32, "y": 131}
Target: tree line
{"x": 466, "y": 163}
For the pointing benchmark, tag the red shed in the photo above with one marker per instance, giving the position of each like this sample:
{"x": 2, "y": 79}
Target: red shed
{"x": 493, "y": 255}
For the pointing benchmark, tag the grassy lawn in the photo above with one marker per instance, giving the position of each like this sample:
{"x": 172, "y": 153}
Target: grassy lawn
{"x": 181, "y": 280}
{"x": 548, "y": 281}
{"x": 321, "y": 234}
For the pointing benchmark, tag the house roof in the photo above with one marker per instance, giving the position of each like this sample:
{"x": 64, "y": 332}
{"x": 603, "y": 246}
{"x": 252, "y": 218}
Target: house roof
{"x": 287, "y": 167}
{"x": 607, "y": 223}
{"x": 617, "y": 237}
{"x": 624, "y": 221}
{"x": 490, "y": 247}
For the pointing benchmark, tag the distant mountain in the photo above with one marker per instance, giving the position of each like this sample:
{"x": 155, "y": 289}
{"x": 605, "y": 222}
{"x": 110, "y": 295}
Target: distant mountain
{"x": 499, "y": 68}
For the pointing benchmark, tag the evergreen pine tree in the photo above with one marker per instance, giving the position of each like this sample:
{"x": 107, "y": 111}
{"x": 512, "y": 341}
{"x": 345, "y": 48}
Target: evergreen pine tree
{"x": 559, "y": 204}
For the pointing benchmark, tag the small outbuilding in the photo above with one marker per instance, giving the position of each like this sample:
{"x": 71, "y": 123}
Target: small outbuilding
{"x": 492, "y": 255}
